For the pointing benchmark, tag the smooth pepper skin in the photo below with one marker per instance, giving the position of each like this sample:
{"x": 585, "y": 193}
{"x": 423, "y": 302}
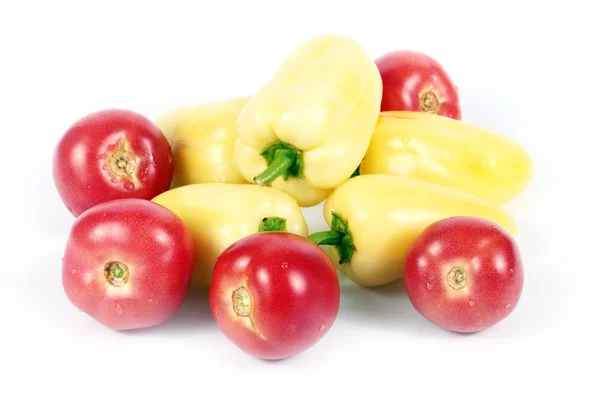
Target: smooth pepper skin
{"x": 386, "y": 213}
{"x": 219, "y": 214}
{"x": 445, "y": 151}
{"x": 202, "y": 137}
{"x": 324, "y": 101}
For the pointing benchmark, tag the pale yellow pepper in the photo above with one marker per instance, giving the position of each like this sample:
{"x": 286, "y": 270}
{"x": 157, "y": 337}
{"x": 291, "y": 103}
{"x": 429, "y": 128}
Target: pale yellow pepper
{"x": 202, "y": 137}
{"x": 219, "y": 214}
{"x": 453, "y": 153}
{"x": 375, "y": 218}
{"x": 309, "y": 127}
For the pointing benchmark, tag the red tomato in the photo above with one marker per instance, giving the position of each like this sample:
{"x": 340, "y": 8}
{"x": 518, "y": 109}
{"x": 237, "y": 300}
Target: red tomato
{"x": 413, "y": 81}
{"x": 109, "y": 155}
{"x": 464, "y": 274}
{"x": 128, "y": 263}
{"x": 274, "y": 294}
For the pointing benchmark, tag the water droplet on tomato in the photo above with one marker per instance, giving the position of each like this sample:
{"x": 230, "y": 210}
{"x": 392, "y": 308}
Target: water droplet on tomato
{"x": 129, "y": 185}
{"x": 284, "y": 265}
{"x": 89, "y": 187}
{"x": 73, "y": 271}
{"x": 150, "y": 300}
{"x": 511, "y": 270}
{"x": 429, "y": 285}
{"x": 101, "y": 156}
{"x": 508, "y": 305}
{"x": 144, "y": 175}
{"x": 114, "y": 180}
{"x": 322, "y": 328}
{"x": 104, "y": 167}
{"x": 471, "y": 303}
{"x": 169, "y": 158}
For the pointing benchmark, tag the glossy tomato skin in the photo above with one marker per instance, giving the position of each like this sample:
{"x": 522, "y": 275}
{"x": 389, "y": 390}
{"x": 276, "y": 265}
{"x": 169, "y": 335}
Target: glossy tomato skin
{"x": 153, "y": 244}
{"x": 414, "y": 81}
{"x": 108, "y": 155}
{"x": 289, "y": 293}
{"x": 464, "y": 274}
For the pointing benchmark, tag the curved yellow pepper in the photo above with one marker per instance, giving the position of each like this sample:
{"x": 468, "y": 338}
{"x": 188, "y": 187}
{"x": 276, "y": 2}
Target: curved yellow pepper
{"x": 308, "y": 129}
{"x": 442, "y": 150}
{"x": 202, "y": 137}
{"x": 219, "y": 214}
{"x": 375, "y": 218}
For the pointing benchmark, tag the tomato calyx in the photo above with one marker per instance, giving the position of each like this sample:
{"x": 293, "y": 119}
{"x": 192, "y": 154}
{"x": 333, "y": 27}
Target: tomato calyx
{"x": 429, "y": 102}
{"x": 122, "y": 162}
{"x": 116, "y": 273}
{"x": 457, "y": 278}
{"x": 242, "y": 306}
{"x": 272, "y": 224}
{"x": 339, "y": 237}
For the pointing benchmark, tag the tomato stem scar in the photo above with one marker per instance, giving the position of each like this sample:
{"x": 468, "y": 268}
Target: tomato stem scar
{"x": 122, "y": 162}
{"x": 457, "y": 278}
{"x": 242, "y": 304}
{"x": 429, "y": 102}
{"x": 116, "y": 273}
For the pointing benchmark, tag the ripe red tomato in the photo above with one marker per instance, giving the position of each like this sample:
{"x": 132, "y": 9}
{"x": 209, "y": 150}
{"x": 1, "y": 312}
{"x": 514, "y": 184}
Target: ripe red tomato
{"x": 413, "y": 81}
{"x": 128, "y": 263}
{"x": 464, "y": 274}
{"x": 274, "y": 294}
{"x": 109, "y": 155}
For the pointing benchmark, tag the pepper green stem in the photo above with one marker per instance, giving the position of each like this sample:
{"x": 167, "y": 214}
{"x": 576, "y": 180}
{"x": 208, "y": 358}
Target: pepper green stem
{"x": 339, "y": 237}
{"x": 331, "y": 238}
{"x": 282, "y": 160}
{"x": 272, "y": 224}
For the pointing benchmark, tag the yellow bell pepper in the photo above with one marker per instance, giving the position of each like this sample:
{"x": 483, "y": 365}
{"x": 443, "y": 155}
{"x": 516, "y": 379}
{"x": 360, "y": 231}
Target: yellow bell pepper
{"x": 219, "y": 214}
{"x": 309, "y": 127}
{"x": 375, "y": 218}
{"x": 202, "y": 137}
{"x": 442, "y": 150}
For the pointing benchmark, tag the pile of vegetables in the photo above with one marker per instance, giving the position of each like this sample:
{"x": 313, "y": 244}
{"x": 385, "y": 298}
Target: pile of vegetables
{"x": 212, "y": 195}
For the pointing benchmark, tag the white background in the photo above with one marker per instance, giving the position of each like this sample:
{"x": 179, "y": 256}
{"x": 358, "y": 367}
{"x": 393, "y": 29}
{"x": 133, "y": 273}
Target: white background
{"x": 526, "y": 70}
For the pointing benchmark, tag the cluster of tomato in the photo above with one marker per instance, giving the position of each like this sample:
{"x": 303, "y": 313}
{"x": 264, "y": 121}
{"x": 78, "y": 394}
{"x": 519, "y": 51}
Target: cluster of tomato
{"x": 128, "y": 261}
